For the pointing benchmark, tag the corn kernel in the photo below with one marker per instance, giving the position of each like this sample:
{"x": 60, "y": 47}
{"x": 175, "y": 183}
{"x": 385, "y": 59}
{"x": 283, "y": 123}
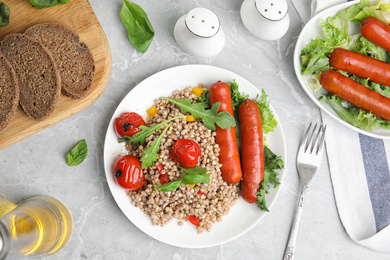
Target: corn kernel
{"x": 152, "y": 111}
{"x": 198, "y": 91}
{"x": 190, "y": 118}
{"x": 191, "y": 185}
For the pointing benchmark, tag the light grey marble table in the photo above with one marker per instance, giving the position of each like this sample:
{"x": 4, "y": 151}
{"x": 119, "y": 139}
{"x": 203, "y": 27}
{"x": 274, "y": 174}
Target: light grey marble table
{"x": 36, "y": 165}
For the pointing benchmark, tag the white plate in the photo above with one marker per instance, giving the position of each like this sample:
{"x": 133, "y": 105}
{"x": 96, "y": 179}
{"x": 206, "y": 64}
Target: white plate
{"x": 242, "y": 216}
{"x": 311, "y": 30}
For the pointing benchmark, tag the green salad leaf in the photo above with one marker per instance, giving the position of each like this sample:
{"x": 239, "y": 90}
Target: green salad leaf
{"x": 268, "y": 120}
{"x": 4, "y": 14}
{"x": 358, "y": 12}
{"x": 237, "y": 99}
{"x": 40, "y": 4}
{"x": 364, "y": 46}
{"x": 78, "y": 154}
{"x": 205, "y": 99}
{"x": 140, "y": 30}
{"x": 191, "y": 176}
{"x": 237, "y": 96}
{"x": 195, "y": 175}
{"x": 272, "y": 162}
{"x": 210, "y": 117}
{"x": 354, "y": 115}
{"x": 151, "y": 154}
{"x": 170, "y": 186}
{"x": 314, "y": 57}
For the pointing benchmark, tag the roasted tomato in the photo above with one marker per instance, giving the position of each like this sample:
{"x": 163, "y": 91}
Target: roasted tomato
{"x": 128, "y": 173}
{"x": 186, "y": 153}
{"x": 128, "y": 124}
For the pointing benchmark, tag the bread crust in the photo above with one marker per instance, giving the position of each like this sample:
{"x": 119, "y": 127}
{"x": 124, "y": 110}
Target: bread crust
{"x": 37, "y": 74}
{"x": 73, "y": 58}
{"x": 9, "y": 92}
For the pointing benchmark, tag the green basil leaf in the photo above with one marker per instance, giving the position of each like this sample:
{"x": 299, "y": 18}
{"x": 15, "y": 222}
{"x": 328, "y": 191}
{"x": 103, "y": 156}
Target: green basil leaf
{"x": 195, "y": 175}
{"x": 4, "y": 14}
{"x": 39, "y": 4}
{"x": 78, "y": 154}
{"x": 194, "y": 170}
{"x": 140, "y": 30}
{"x": 151, "y": 154}
{"x": 170, "y": 186}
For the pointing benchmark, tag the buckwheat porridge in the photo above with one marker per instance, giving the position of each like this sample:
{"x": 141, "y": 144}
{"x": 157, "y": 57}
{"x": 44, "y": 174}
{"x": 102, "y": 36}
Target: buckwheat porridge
{"x": 207, "y": 202}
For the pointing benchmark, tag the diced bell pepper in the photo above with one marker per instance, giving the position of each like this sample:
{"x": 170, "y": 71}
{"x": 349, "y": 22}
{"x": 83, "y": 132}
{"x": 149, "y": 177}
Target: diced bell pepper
{"x": 152, "y": 111}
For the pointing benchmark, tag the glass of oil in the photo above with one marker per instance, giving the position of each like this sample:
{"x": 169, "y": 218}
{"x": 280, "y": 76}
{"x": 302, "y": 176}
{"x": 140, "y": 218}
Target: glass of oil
{"x": 37, "y": 226}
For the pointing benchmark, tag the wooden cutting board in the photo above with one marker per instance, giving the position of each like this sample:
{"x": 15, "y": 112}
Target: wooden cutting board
{"x": 79, "y": 16}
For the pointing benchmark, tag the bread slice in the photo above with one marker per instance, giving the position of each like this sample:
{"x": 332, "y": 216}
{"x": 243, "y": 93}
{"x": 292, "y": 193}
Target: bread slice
{"x": 37, "y": 74}
{"x": 9, "y": 92}
{"x": 73, "y": 58}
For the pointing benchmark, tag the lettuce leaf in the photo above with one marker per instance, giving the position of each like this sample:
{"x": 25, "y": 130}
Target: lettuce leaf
{"x": 314, "y": 58}
{"x": 353, "y": 115}
{"x": 268, "y": 120}
{"x": 364, "y": 46}
{"x": 272, "y": 162}
{"x": 358, "y": 12}
{"x": 354, "y": 11}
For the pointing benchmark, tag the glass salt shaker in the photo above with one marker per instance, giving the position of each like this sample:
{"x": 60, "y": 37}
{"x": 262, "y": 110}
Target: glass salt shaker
{"x": 266, "y": 19}
{"x": 199, "y": 33}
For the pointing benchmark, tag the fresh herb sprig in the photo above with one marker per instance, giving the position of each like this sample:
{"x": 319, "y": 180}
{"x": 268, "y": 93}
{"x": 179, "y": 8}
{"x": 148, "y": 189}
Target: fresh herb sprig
{"x": 272, "y": 162}
{"x": 139, "y": 137}
{"x": 4, "y": 14}
{"x": 192, "y": 176}
{"x": 78, "y": 154}
{"x": 39, "y": 4}
{"x": 210, "y": 117}
{"x": 151, "y": 154}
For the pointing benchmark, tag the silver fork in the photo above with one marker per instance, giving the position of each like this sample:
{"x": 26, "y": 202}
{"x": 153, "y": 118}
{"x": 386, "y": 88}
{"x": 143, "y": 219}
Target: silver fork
{"x": 308, "y": 160}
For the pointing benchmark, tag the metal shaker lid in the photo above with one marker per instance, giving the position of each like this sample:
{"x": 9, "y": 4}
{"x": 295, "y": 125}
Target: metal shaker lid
{"x": 273, "y": 10}
{"x": 202, "y": 22}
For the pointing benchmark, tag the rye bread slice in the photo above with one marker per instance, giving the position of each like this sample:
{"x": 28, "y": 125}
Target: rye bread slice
{"x": 9, "y": 92}
{"x": 74, "y": 59}
{"x": 37, "y": 74}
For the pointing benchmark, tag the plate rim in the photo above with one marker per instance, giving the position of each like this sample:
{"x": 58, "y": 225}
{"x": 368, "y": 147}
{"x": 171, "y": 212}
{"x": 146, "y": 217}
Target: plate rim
{"x": 297, "y": 68}
{"x": 109, "y": 178}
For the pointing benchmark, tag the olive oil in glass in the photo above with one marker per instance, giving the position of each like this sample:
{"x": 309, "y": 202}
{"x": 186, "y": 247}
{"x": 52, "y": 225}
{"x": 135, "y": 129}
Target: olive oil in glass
{"x": 37, "y": 226}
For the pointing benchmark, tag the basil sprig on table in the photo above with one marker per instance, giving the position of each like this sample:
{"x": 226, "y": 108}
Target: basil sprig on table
{"x": 39, "y": 4}
{"x": 192, "y": 176}
{"x": 4, "y": 14}
{"x": 140, "y": 30}
{"x": 78, "y": 154}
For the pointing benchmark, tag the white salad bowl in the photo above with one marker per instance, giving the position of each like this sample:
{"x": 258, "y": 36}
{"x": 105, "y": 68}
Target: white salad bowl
{"x": 312, "y": 30}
